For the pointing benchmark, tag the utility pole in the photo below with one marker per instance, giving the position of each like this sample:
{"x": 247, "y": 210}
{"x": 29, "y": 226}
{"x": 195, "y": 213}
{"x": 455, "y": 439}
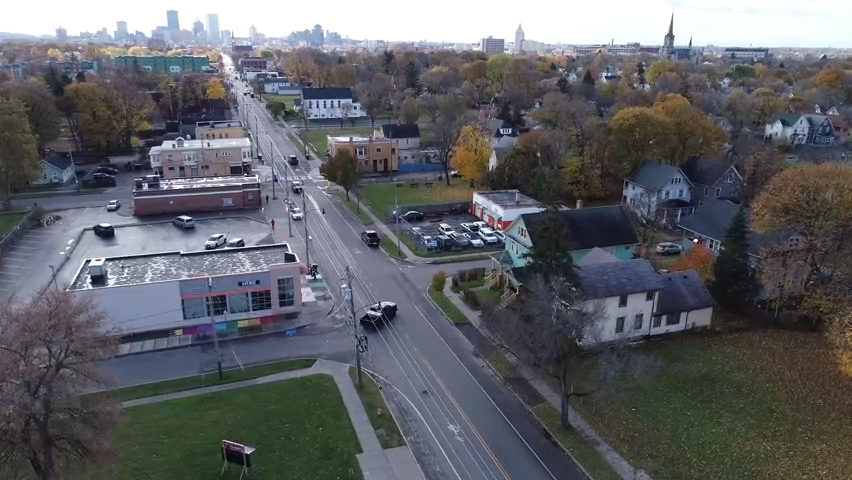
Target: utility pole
{"x": 213, "y": 325}
{"x": 307, "y": 238}
{"x": 355, "y": 326}
{"x": 287, "y": 196}
{"x": 274, "y": 176}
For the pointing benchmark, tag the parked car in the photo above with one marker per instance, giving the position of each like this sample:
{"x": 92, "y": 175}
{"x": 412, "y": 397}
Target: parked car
{"x": 455, "y": 174}
{"x": 429, "y": 242}
{"x": 102, "y": 176}
{"x": 236, "y": 243}
{"x": 294, "y": 160}
{"x": 375, "y": 314}
{"x": 104, "y": 230}
{"x": 488, "y": 236}
{"x": 461, "y": 239}
{"x": 446, "y": 229}
{"x": 296, "y": 213}
{"x": 470, "y": 227}
{"x": 669, "y": 248}
{"x": 480, "y": 224}
{"x": 215, "y": 241}
{"x": 474, "y": 241}
{"x": 500, "y": 236}
{"x": 371, "y": 238}
{"x": 413, "y": 216}
{"x": 107, "y": 170}
{"x": 113, "y": 205}
{"x": 184, "y": 221}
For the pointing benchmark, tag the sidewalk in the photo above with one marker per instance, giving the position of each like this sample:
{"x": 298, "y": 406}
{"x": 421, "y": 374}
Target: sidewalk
{"x": 376, "y": 463}
{"x": 618, "y": 463}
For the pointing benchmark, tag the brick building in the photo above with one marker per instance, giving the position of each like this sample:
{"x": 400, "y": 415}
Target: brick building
{"x": 187, "y": 195}
{"x": 374, "y": 155}
{"x": 220, "y": 157}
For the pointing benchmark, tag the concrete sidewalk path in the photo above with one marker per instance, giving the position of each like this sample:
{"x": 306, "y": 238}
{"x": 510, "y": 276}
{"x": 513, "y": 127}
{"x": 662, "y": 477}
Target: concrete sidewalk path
{"x": 376, "y": 463}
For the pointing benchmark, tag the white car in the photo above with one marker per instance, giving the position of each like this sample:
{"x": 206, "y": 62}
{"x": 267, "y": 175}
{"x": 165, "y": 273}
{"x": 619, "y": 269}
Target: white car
{"x": 296, "y": 213}
{"x": 474, "y": 242}
{"x": 500, "y": 236}
{"x": 470, "y": 227}
{"x": 487, "y": 235}
{"x": 480, "y": 224}
{"x": 445, "y": 229}
{"x": 113, "y": 205}
{"x": 215, "y": 241}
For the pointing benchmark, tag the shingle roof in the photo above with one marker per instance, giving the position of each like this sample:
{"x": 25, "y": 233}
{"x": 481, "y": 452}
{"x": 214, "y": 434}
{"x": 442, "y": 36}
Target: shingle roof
{"x": 606, "y": 226}
{"x": 713, "y": 219}
{"x": 683, "y": 292}
{"x": 703, "y": 171}
{"x": 596, "y": 255}
{"x": 334, "y": 93}
{"x": 405, "y": 130}
{"x": 786, "y": 119}
{"x": 612, "y": 279}
{"x": 60, "y": 161}
{"x": 653, "y": 175}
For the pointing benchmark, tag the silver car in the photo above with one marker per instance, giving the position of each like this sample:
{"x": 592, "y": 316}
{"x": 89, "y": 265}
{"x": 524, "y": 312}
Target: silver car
{"x": 669, "y": 248}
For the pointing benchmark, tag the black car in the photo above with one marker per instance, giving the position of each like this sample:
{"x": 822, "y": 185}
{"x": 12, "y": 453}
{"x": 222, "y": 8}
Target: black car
{"x": 371, "y": 238}
{"x": 372, "y": 318}
{"x": 294, "y": 160}
{"x": 104, "y": 230}
{"x": 101, "y": 176}
{"x": 413, "y": 216}
{"x": 106, "y": 170}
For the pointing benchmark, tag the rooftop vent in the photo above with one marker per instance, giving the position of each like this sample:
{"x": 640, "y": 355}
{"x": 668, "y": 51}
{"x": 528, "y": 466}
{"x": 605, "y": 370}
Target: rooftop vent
{"x": 98, "y": 270}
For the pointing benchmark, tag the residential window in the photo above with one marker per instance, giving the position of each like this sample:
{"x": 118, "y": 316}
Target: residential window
{"x": 619, "y": 324}
{"x": 360, "y": 151}
{"x": 338, "y": 104}
{"x": 729, "y": 178}
{"x": 657, "y": 321}
{"x": 676, "y": 180}
{"x": 649, "y": 297}
{"x": 666, "y": 195}
{"x": 261, "y": 300}
{"x": 378, "y": 150}
{"x": 794, "y": 242}
{"x": 238, "y": 302}
{"x": 622, "y": 301}
{"x": 706, "y": 191}
{"x": 193, "y": 308}
{"x": 680, "y": 193}
{"x": 719, "y": 192}
{"x": 218, "y": 304}
{"x": 171, "y": 169}
{"x": 626, "y": 184}
{"x": 286, "y": 292}
{"x": 673, "y": 319}
{"x": 638, "y": 320}
{"x": 310, "y": 104}
{"x": 712, "y": 244}
{"x": 324, "y": 104}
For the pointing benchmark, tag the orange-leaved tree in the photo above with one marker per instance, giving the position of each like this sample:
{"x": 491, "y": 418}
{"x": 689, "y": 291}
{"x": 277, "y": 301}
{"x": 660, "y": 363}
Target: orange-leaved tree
{"x": 700, "y": 259}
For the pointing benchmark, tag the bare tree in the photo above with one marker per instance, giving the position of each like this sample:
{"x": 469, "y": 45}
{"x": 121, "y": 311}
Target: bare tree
{"x": 645, "y": 216}
{"x": 345, "y": 112}
{"x": 49, "y": 351}
{"x": 447, "y": 130}
{"x": 431, "y": 106}
{"x": 375, "y": 95}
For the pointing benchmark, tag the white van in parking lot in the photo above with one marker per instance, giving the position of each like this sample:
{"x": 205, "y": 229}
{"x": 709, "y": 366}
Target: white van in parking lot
{"x": 184, "y": 221}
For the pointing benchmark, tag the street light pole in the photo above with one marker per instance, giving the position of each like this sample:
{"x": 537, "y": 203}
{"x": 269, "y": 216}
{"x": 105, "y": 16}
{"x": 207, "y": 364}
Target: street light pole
{"x": 307, "y": 238}
{"x": 213, "y": 325}
{"x": 274, "y": 176}
{"x": 354, "y": 326}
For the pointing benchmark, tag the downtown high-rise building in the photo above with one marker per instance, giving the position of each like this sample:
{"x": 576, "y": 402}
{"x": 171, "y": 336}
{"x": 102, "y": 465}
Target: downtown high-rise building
{"x": 121, "y": 33}
{"x": 213, "y": 32}
{"x": 172, "y": 20}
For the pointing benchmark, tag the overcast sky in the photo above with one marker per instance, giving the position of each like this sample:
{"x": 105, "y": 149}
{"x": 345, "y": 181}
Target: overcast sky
{"x": 723, "y": 22}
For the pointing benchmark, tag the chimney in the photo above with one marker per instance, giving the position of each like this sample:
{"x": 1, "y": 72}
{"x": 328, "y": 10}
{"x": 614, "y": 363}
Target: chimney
{"x": 517, "y": 196}
{"x": 579, "y": 204}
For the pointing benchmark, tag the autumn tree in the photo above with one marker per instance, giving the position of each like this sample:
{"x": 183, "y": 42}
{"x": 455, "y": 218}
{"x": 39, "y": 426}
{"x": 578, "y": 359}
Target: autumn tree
{"x": 691, "y": 131}
{"x": 739, "y": 108}
{"x": 431, "y": 106}
{"x": 758, "y": 163}
{"x": 765, "y": 103}
{"x": 409, "y": 110}
{"x": 470, "y": 157}
{"x": 20, "y": 161}
{"x": 215, "y": 89}
{"x": 636, "y": 133}
{"x": 130, "y": 108}
{"x": 582, "y": 180}
{"x": 94, "y": 116}
{"x": 658, "y": 69}
{"x": 50, "y": 351}
{"x": 830, "y": 77}
{"x": 343, "y": 76}
{"x": 735, "y": 283}
{"x": 496, "y": 68}
{"x": 701, "y": 259}
{"x": 447, "y": 130}
{"x": 374, "y": 96}
{"x": 41, "y": 109}
{"x": 342, "y": 169}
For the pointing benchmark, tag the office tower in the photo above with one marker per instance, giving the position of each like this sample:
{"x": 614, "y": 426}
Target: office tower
{"x": 197, "y": 28}
{"x": 172, "y": 20}
{"x": 519, "y": 39}
{"x": 121, "y": 33}
{"x": 213, "y": 31}
{"x": 492, "y": 46}
{"x": 253, "y": 34}
{"x": 61, "y": 34}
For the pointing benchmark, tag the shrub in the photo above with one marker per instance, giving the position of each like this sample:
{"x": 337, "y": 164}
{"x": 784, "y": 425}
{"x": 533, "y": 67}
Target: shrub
{"x": 471, "y": 298}
{"x": 438, "y": 280}
{"x": 455, "y": 281}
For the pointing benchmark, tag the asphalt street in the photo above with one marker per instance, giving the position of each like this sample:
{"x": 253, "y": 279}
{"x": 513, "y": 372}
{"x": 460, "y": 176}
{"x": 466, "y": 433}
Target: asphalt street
{"x": 462, "y": 423}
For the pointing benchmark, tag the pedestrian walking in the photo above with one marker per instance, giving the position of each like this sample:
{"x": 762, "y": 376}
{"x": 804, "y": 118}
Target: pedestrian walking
{"x": 267, "y": 199}
{"x": 272, "y": 222}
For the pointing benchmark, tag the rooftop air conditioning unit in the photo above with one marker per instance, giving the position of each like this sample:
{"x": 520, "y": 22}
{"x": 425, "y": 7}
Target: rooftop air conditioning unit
{"x": 98, "y": 271}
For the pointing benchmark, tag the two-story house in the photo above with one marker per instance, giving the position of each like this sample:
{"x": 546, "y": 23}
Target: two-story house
{"x": 406, "y": 139}
{"x": 219, "y": 129}
{"x": 330, "y": 103}
{"x": 374, "y": 155}
{"x": 805, "y": 129}
{"x": 712, "y": 179}
{"x": 182, "y": 158}
{"x": 657, "y": 192}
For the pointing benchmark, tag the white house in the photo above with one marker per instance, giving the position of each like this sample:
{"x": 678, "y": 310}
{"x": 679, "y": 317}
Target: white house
{"x": 499, "y": 208}
{"x": 658, "y": 192}
{"x": 275, "y": 85}
{"x": 805, "y": 129}
{"x": 330, "y": 103}
{"x": 635, "y": 301}
{"x": 57, "y": 168}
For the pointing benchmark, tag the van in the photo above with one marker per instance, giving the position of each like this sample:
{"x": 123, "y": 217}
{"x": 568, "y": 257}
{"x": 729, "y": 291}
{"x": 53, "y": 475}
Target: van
{"x": 184, "y": 221}
{"x": 294, "y": 160}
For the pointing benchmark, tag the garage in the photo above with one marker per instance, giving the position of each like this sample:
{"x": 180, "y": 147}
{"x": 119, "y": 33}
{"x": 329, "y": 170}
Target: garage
{"x": 499, "y": 208}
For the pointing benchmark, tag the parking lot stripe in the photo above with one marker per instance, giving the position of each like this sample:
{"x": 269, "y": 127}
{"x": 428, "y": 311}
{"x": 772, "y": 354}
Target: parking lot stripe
{"x": 15, "y": 267}
{"x": 25, "y": 247}
{"x": 17, "y": 256}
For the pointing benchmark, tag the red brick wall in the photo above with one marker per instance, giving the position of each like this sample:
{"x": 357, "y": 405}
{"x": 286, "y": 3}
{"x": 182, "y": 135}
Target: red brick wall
{"x": 156, "y": 205}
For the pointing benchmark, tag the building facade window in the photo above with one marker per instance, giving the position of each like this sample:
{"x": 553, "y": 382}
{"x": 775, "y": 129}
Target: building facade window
{"x": 649, "y": 297}
{"x": 619, "y": 324}
{"x": 218, "y": 304}
{"x": 238, "y": 303}
{"x": 672, "y": 319}
{"x": 360, "y": 151}
{"x": 657, "y": 321}
{"x": 286, "y": 292}
{"x": 194, "y": 308}
{"x": 638, "y": 320}
{"x": 622, "y": 301}
{"x": 261, "y": 300}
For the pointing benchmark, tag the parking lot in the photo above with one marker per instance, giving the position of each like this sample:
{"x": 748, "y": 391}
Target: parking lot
{"x": 429, "y": 227}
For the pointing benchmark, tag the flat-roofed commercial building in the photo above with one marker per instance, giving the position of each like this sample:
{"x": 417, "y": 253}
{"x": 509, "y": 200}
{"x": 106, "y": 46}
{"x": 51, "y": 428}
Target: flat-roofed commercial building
{"x": 183, "y": 195}
{"x": 219, "y": 129}
{"x": 372, "y": 154}
{"x": 182, "y": 158}
{"x": 182, "y": 290}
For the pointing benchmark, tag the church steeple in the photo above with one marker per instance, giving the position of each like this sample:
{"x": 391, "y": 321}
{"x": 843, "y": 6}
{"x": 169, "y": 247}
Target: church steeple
{"x": 671, "y": 26}
{"x": 690, "y": 41}
{"x": 668, "y": 41}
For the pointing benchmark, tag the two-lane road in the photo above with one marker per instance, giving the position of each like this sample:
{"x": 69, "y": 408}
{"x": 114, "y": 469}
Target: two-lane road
{"x": 466, "y": 425}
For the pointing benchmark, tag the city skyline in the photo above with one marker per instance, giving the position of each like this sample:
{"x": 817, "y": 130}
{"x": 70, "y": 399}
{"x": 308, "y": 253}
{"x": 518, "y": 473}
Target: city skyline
{"x": 727, "y": 23}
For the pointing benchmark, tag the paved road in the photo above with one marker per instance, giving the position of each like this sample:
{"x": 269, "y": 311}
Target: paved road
{"x": 466, "y": 424}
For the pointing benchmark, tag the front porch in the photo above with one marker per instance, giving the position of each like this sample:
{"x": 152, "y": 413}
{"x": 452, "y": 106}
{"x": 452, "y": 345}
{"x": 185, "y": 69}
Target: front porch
{"x": 505, "y": 277}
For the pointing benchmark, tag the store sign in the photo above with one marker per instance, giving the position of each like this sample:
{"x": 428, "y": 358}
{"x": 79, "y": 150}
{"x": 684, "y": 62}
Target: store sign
{"x": 248, "y": 283}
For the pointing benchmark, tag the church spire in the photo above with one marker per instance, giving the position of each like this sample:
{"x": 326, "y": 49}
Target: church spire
{"x": 671, "y": 25}
{"x": 690, "y": 41}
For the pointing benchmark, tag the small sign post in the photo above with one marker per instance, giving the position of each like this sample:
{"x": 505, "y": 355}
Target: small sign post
{"x": 238, "y": 454}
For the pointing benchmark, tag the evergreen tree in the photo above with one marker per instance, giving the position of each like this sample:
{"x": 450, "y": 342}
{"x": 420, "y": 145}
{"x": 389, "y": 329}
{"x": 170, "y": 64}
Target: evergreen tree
{"x": 517, "y": 118}
{"x": 587, "y": 86}
{"x": 505, "y": 112}
{"x": 412, "y": 78}
{"x": 551, "y": 256}
{"x": 588, "y": 79}
{"x": 54, "y": 82}
{"x": 563, "y": 86}
{"x": 387, "y": 61}
{"x": 735, "y": 285}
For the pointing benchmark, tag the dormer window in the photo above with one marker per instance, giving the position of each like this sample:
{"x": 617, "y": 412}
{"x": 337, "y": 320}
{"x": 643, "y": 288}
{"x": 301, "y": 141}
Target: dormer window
{"x": 676, "y": 180}
{"x": 729, "y": 178}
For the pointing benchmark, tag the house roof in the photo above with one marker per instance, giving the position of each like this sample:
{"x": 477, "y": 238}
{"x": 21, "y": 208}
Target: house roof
{"x": 683, "y": 292}
{"x": 786, "y": 119}
{"x": 509, "y": 199}
{"x": 713, "y": 219}
{"x": 613, "y": 279}
{"x": 60, "y": 161}
{"x": 703, "y": 171}
{"x": 597, "y": 255}
{"x": 335, "y": 93}
{"x": 840, "y": 121}
{"x": 405, "y": 130}
{"x": 653, "y": 175}
{"x": 606, "y": 226}
{"x": 815, "y": 120}
{"x": 495, "y": 125}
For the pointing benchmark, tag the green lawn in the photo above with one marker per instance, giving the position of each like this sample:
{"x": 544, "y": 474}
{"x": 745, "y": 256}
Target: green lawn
{"x": 300, "y": 428}
{"x": 380, "y": 416}
{"x": 8, "y": 222}
{"x": 449, "y": 308}
{"x": 757, "y": 405}
{"x": 383, "y": 195}
{"x": 287, "y": 100}
{"x": 352, "y": 205}
{"x": 318, "y": 137}
{"x": 230, "y": 376}
{"x": 392, "y": 248}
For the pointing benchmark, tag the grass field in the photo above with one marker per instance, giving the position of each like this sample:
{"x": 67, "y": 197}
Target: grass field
{"x": 287, "y": 100}
{"x": 318, "y": 137}
{"x": 8, "y": 222}
{"x": 300, "y": 429}
{"x": 449, "y": 308}
{"x": 757, "y": 405}
{"x": 382, "y": 196}
{"x": 380, "y": 417}
{"x": 352, "y": 205}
